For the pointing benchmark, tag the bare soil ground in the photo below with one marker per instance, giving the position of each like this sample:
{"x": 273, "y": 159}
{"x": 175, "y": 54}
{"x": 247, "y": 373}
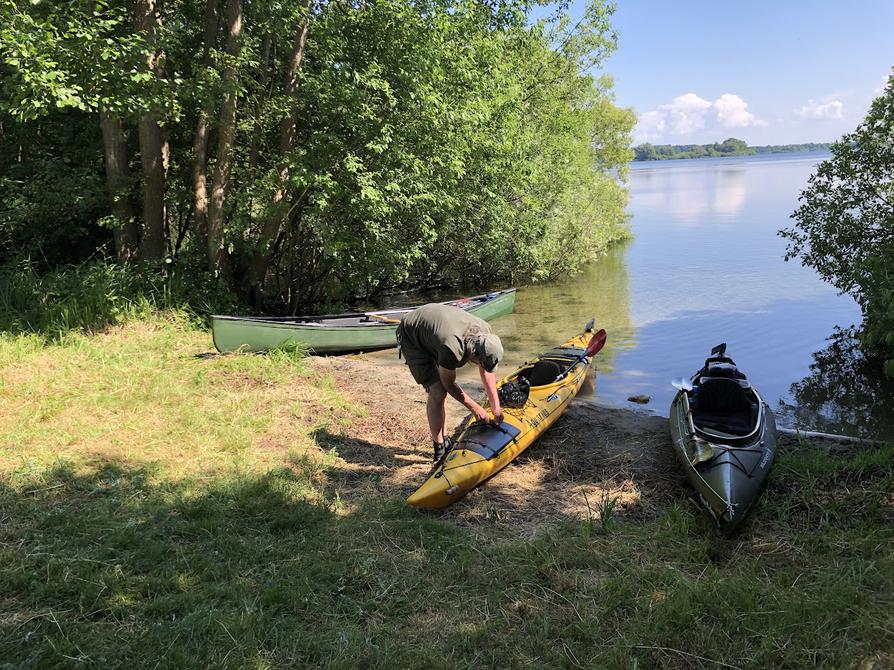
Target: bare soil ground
{"x": 592, "y": 457}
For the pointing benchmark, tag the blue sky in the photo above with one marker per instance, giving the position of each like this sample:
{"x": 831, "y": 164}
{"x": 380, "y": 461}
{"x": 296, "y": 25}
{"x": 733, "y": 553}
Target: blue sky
{"x": 767, "y": 72}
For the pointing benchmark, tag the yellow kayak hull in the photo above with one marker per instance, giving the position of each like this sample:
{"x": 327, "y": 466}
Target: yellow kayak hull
{"x": 482, "y": 450}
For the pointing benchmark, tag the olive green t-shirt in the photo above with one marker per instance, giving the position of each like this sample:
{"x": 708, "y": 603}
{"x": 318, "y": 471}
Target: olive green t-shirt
{"x": 438, "y": 331}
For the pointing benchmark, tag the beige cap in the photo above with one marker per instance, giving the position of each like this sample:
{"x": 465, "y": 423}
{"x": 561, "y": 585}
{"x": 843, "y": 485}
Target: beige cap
{"x": 489, "y": 351}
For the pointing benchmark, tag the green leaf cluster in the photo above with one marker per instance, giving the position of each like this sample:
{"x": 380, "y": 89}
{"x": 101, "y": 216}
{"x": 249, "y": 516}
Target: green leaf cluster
{"x": 436, "y": 141}
{"x": 845, "y": 223}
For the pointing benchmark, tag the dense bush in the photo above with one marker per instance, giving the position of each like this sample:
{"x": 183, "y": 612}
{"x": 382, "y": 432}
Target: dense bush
{"x": 94, "y": 295}
{"x": 311, "y": 153}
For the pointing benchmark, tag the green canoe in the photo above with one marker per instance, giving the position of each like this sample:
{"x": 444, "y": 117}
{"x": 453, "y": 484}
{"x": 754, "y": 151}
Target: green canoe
{"x": 337, "y": 333}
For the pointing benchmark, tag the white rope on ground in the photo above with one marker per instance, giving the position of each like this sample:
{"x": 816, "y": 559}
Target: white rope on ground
{"x": 829, "y": 436}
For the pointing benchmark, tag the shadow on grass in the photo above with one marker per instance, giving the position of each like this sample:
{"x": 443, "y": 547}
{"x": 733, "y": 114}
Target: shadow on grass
{"x": 114, "y": 567}
{"x": 363, "y": 453}
{"x": 591, "y": 462}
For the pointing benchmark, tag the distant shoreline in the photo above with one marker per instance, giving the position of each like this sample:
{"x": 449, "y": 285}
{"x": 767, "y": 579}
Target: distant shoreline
{"x": 729, "y": 147}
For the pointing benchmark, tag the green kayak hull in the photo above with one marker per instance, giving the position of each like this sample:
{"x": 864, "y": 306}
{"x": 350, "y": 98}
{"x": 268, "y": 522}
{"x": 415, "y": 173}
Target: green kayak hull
{"x": 728, "y": 472}
{"x": 337, "y": 333}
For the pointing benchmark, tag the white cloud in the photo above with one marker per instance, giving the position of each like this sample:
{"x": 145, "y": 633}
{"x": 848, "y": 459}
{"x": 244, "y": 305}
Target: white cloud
{"x": 732, "y": 112}
{"x": 688, "y": 112}
{"x": 834, "y": 109}
{"x": 650, "y": 124}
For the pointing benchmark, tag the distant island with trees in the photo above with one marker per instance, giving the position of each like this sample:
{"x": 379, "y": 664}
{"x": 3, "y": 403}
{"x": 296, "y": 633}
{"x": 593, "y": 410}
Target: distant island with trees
{"x": 729, "y": 147}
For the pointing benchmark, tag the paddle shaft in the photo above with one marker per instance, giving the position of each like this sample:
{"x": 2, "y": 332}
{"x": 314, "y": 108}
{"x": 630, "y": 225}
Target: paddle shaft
{"x": 593, "y": 348}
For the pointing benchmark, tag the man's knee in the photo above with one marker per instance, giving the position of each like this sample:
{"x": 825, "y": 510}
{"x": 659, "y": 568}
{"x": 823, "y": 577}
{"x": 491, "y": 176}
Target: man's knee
{"x": 436, "y": 391}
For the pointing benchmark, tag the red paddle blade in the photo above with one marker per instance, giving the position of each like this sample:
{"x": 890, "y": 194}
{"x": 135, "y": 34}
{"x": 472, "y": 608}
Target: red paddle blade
{"x": 596, "y": 343}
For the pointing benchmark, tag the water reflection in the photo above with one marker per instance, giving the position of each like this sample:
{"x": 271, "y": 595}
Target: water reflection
{"x": 705, "y": 267}
{"x": 842, "y": 394}
{"x": 729, "y": 195}
{"x": 548, "y": 314}
{"x": 685, "y": 197}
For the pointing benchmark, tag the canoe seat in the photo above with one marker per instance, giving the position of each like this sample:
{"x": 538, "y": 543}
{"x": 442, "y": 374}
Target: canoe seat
{"x": 723, "y": 405}
{"x": 543, "y": 373}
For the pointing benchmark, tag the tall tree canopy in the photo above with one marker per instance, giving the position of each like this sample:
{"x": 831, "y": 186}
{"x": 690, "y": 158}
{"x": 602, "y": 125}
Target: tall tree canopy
{"x": 845, "y": 224}
{"x": 310, "y": 152}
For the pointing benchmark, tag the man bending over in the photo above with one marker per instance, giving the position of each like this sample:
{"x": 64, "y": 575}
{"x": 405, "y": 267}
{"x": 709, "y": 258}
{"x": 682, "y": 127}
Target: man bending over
{"x": 435, "y": 340}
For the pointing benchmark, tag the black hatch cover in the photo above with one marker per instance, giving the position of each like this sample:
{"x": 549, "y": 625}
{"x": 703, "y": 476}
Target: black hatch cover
{"x": 487, "y": 440}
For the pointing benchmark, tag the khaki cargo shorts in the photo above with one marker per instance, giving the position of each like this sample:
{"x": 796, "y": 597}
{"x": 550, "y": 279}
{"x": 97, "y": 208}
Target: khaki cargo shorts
{"x": 423, "y": 366}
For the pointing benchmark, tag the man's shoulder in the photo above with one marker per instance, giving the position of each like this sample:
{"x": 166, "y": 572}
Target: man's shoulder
{"x": 424, "y": 313}
{"x": 444, "y": 326}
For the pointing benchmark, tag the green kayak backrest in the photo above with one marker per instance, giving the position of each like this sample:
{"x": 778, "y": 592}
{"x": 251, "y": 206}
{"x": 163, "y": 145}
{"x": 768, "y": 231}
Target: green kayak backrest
{"x": 720, "y": 395}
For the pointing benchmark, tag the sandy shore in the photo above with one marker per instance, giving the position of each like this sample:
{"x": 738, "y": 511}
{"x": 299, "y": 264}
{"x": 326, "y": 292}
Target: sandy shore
{"x": 593, "y": 454}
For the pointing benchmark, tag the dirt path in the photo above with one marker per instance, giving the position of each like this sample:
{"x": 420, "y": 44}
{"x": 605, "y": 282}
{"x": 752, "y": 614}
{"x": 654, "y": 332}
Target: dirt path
{"x": 594, "y": 456}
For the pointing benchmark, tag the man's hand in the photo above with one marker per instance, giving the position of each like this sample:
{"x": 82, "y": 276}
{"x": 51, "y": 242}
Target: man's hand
{"x": 480, "y": 413}
{"x": 493, "y": 398}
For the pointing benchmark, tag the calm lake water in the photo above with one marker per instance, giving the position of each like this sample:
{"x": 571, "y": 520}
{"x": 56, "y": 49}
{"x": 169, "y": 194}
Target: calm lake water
{"x": 706, "y": 266}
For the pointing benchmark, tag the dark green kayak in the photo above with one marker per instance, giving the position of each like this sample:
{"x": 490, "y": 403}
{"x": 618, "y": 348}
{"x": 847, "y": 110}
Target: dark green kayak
{"x": 724, "y": 434}
{"x": 337, "y": 333}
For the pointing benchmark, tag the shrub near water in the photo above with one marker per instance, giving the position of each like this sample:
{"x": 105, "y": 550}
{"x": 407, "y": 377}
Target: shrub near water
{"x": 415, "y": 144}
{"x": 844, "y": 226}
{"x": 94, "y": 295}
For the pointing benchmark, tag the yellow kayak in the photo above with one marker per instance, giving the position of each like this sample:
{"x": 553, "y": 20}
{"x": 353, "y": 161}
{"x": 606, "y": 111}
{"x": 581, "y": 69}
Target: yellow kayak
{"x": 482, "y": 449}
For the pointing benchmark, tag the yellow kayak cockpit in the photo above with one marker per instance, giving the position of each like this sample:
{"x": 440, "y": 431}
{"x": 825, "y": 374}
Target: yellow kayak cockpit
{"x": 481, "y": 450}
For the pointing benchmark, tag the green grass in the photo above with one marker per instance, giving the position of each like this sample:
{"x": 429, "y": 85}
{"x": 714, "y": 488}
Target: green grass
{"x": 92, "y": 296}
{"x": 223, "y": 545}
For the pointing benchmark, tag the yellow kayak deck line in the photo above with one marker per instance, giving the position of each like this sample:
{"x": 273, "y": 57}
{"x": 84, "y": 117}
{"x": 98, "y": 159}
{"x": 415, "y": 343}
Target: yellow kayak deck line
{"x": 481, "y": 450}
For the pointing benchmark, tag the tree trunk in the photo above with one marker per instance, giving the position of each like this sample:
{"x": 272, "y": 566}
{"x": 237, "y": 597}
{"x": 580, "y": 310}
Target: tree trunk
{"x": 255, "y": 149}
{"x": 287, "y": 127}
{"x": 152, "y": 245}
{"x": 287, "y": 132}
{"x": 125, "y": 232}
{"x": 217, "y": 253}
{"x": 200, "y": 142}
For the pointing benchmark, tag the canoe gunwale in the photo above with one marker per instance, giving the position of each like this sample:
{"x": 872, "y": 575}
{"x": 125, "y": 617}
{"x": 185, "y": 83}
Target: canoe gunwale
{"x": 257, "y": 334}
{"x": 308, "y": 319}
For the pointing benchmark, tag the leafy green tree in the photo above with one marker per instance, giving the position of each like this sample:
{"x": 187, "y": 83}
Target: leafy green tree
{"x": 318, "y": 152}
{"x": 729, "y": 147}
{"x": 645, "y": 152}
{"x": 733, "y": 147}
{"x": 845, "y": 224}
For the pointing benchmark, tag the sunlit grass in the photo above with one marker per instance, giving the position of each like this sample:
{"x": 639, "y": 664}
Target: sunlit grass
{"x": 150, "y": 392}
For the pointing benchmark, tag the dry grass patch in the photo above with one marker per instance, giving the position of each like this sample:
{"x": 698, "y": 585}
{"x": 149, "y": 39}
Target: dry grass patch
{"x": 594, "y": 461}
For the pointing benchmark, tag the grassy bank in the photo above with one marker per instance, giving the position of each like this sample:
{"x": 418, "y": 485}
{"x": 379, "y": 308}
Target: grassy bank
{"x": 162, "y": 506}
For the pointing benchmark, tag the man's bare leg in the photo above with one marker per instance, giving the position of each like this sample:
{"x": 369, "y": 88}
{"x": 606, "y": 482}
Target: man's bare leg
{"x": 436, "y": 410}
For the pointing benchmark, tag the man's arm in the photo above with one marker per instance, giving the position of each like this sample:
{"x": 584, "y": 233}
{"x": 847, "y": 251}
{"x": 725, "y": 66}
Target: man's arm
{"x": 489, "y": 379}
{"x": 448, "y": 381}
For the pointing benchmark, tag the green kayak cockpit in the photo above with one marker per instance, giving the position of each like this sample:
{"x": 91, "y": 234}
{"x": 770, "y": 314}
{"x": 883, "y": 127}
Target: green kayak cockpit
{"x": 722, "y": 402}
{"x": 726, "y": 406}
